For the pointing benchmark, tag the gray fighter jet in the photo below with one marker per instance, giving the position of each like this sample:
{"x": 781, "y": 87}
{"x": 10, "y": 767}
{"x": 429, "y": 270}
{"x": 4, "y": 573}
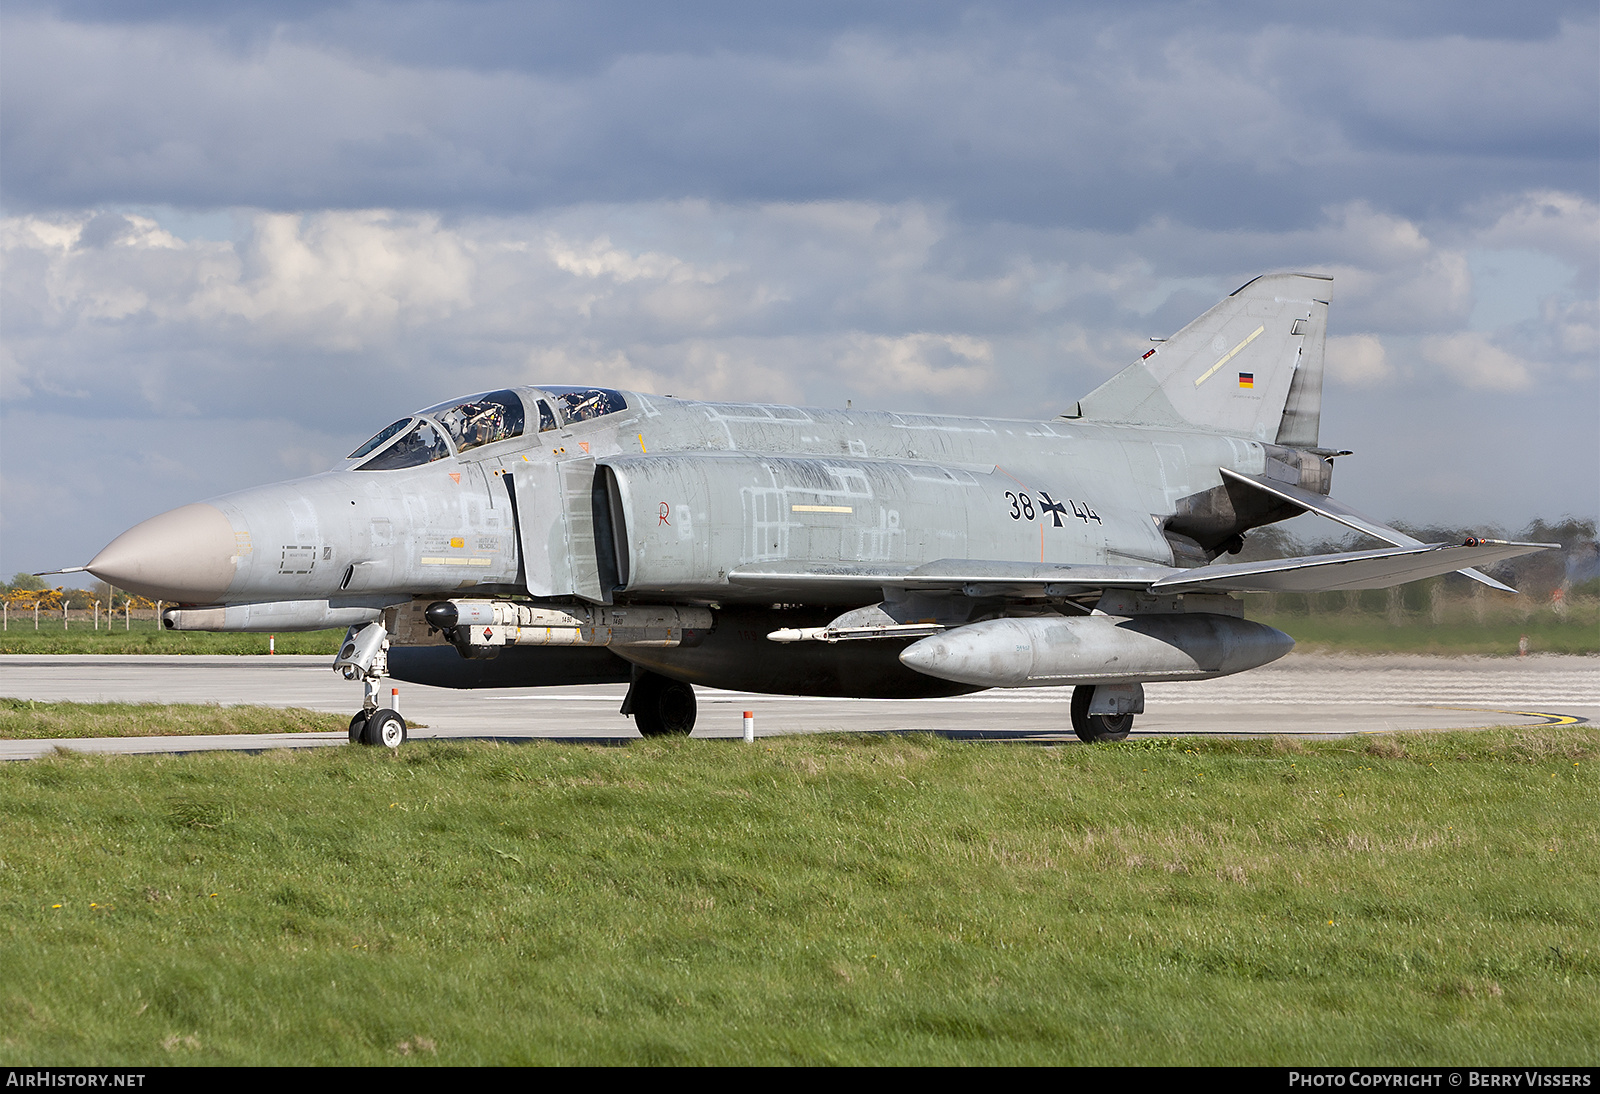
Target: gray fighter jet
{"x": 573, "y": 535}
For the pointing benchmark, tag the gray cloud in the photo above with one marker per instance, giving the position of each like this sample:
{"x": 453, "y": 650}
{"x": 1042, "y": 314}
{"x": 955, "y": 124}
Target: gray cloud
{"x": 1091, "y": 116}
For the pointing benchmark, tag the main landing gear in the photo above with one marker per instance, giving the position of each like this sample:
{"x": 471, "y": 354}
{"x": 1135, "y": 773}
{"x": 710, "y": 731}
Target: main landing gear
{"x": 660, "y": 707}
{"x": 364, "y": 656}
{"x": 1092, "y": 728}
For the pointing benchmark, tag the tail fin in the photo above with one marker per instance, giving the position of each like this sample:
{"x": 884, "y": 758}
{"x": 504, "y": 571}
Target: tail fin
{"x": 1249, "y": 367}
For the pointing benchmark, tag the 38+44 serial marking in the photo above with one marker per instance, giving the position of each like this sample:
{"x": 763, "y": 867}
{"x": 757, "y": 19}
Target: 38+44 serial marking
{"x": 1022, "y": 508}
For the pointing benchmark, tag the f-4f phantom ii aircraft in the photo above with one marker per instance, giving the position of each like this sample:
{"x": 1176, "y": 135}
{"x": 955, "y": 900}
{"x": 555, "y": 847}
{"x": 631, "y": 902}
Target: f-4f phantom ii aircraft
{"x": 574, "y": 535}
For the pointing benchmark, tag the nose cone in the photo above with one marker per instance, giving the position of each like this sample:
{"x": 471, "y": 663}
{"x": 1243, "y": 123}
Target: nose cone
{"x": 186, "y": 554}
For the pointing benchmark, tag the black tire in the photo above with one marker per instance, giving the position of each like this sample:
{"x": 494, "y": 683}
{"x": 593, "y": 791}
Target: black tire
{"x": 1096, "y": 728}
{"x": 385, "y": 728}
{"x": 358, "y": 727}
{"x": 662, "y": 707}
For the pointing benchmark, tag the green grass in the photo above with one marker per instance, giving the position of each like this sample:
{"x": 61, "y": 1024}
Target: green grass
{"x": 870, "y": 899}
{"x": 1367, "y": 634}
{"x": 27, "y": 719}
{"x": 146, "y": 637}
{"x": 1317, "y": 624}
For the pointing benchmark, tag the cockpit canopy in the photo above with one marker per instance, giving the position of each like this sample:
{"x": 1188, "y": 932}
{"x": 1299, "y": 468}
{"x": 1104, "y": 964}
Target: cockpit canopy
{"x": 580, "y": 404}
{"x": 464, "y": 424}
{"x": 468, "y": 423}
{"x": 480, "y": 419}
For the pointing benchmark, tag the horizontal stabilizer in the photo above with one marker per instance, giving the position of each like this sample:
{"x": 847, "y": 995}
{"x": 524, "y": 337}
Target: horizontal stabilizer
{"x": 1345, "y": 570}
{"x": 1343, "y": 514}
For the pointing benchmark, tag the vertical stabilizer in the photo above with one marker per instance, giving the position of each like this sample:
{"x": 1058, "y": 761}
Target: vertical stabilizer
{"x": 1249, "y": 367}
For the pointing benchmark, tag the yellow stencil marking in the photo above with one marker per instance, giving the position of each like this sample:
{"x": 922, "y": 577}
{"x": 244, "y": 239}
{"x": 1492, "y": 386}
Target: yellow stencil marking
{"x": 641, "y": 445}
{"x": 821, "y": 509}
{"x": 1212, "y": 371}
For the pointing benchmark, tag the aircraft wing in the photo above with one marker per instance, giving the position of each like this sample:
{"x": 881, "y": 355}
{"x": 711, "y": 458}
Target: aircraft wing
{"x": 1337, "y": 511}
{"x": 976, "y": 578}
{"x": 1345, "y": 570}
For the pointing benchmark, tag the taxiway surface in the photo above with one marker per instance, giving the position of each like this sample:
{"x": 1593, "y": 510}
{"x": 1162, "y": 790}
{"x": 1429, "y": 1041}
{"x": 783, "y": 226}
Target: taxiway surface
{"x": 1301, "y": 695}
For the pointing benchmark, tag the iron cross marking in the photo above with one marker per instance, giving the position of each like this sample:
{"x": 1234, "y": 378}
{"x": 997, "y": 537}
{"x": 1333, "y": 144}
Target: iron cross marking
{"x": 1053, "y": 507}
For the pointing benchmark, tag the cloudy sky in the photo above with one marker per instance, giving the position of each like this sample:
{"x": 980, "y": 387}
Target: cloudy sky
{"x": 238, "y": 238}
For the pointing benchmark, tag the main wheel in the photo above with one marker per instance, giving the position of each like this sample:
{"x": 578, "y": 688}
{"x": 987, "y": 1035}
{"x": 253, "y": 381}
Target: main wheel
{"x": 662, "y": 707}
{"x": 1091, "y": 728}
{"x": 358, "y": 727}
{"x": 385, "y": 728}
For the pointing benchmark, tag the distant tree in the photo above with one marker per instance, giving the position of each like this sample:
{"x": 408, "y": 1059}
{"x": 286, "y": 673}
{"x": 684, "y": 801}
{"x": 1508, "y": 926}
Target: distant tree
{"x": 26, "y": 582}
{"x": 1569, "y": 531}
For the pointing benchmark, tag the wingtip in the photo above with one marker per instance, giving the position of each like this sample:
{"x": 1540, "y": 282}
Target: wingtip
{"x": 1483, "y": 578}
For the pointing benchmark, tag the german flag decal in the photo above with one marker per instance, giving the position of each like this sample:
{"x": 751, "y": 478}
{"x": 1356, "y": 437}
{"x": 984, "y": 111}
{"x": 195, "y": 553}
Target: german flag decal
{"x": 1247, "y": 379}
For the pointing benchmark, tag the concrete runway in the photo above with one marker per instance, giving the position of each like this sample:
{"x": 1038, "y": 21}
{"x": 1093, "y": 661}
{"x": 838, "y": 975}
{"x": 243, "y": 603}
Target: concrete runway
{"x": 1301, "y": 695}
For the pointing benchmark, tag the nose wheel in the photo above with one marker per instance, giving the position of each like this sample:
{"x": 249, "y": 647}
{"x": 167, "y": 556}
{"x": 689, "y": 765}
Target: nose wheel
{"x": 384, "y": 727}
{"x": 378, "y": 727}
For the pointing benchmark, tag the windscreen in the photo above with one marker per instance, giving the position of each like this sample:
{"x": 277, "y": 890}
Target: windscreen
{"x": 480, "y": 419}
{"x": 379, "y": 438}
{"x": 423, "y": 444}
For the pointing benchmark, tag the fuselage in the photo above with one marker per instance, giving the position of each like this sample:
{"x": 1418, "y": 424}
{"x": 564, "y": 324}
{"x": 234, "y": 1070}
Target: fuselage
{"x": 695, "y": 491}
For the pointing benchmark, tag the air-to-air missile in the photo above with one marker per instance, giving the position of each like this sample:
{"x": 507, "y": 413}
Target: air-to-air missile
{"x": 572, "y": 535}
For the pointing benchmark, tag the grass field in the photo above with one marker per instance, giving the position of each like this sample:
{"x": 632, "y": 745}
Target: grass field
{"x": 146, "y": 637}
{"x": 809, "y": 900}
{"x": 27, "y": 719}
{"x": 1457, "y": 627}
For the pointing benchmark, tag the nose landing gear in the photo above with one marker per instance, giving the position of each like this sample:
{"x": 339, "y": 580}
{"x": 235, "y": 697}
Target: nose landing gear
{"x": 364, "y": 656}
